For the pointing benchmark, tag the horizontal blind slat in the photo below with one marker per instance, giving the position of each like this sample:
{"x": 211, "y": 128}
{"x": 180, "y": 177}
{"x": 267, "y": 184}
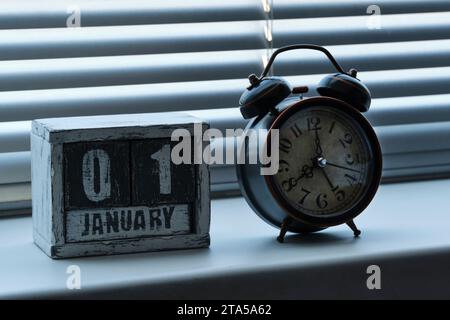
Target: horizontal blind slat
{"x": 15, "y": 196}
{"x": 123, "y": 40}
{"x": 54, "y": 13}
{"x": 130, "y": 69}
{"x": 409, "y": 109}
{"x": 181, "y": 67}
{"x": 30, "y": 104}
{"x": 288, "y": 9}
{"x": 14, "y": 136}
{"x": 353, "y": 30}
{"x": 415, "y": 137}
{"x": 15, "y": 167}
{"x": 215, "y": 36}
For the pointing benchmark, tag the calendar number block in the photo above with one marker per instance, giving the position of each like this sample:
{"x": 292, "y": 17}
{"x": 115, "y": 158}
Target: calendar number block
{"x": 96, "y": 174}
{"x": 170, "y": 182}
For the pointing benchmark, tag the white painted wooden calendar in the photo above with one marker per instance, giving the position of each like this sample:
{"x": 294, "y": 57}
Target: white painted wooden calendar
{"x": 107, "y": 185}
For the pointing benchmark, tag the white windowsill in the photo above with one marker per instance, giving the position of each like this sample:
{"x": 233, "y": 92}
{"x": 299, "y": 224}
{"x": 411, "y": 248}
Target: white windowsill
{"x": 406, "y": 231}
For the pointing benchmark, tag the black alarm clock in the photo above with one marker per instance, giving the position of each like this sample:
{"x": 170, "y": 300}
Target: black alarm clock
{"x": 330, "y": 160}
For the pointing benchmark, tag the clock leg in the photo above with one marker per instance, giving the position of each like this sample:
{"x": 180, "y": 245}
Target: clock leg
{"x": 284, "y": 229}
{"x": 355, "y": 230}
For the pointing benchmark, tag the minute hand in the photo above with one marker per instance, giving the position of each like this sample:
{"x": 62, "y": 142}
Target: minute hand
{"x": 342, "y": 167}
{"x": 318, "y": 146}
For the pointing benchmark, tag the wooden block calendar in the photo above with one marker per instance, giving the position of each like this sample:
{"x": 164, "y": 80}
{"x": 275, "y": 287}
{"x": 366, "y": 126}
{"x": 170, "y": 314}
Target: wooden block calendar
{"x": 107, "y": 185}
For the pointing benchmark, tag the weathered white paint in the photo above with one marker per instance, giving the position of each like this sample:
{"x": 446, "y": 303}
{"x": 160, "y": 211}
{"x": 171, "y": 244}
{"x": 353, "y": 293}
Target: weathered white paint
{"x": 113, "y": 127}
{"x": 47, "y": 206}
{"x": 41, "y": 188}
{"x": 129, "y": 222}
{"x": 89, "y": 175}
{"x": 121, "y": 246}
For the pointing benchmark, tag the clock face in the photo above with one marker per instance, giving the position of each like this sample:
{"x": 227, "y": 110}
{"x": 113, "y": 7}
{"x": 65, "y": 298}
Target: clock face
{"x": 325, "y": 162}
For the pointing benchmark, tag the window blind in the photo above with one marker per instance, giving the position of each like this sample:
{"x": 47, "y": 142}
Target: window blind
{"x": 138, "y": 56}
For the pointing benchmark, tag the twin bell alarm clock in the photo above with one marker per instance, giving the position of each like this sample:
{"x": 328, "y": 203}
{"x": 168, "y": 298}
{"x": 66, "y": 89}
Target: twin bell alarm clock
{"x": 329, "y": 156}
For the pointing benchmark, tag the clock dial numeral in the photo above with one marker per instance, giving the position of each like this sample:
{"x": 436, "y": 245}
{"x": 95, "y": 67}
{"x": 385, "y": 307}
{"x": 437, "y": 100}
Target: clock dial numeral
{"x": 349, "y": 159}
{"x": 313, "y": 123}
{"x": 307, "y": 193}
{"x": 350, "y": 179}
{"x": 289, "y": 184}
{"x": 284, "y": 166}
{"x": 347, "y": 140}
{"x": 296, "y": 130}
{"x": 330, "y": 131}
{"x": 321, "y": 201}
{"x": 285, "y": 145}
{"x": 340, "y": 195}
